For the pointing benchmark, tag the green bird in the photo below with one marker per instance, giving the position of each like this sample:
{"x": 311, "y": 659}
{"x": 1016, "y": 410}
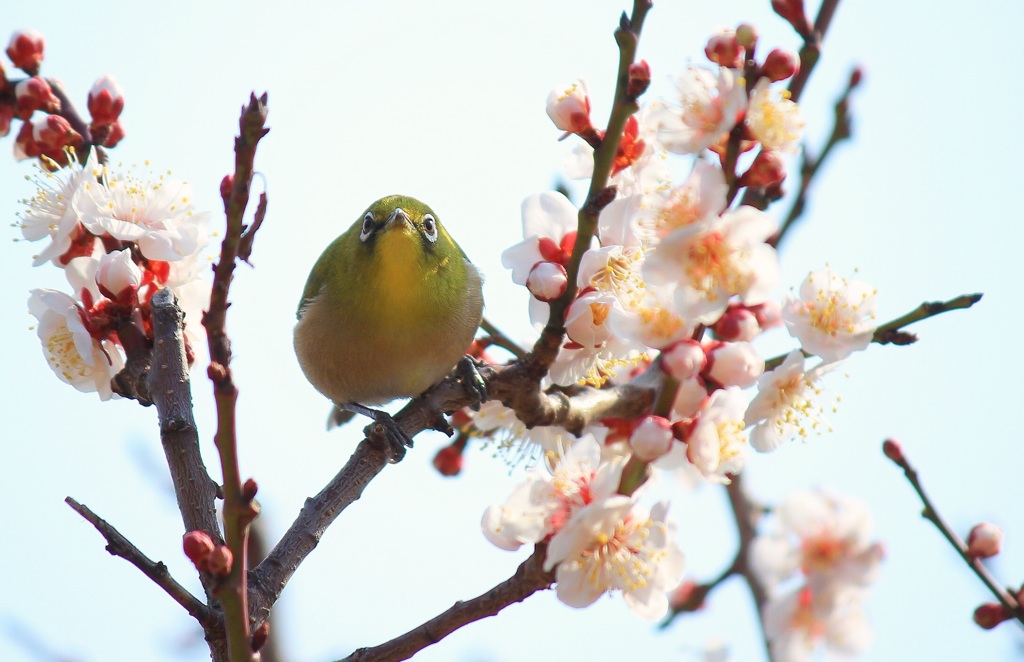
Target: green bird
{"x": 390, "y": 307}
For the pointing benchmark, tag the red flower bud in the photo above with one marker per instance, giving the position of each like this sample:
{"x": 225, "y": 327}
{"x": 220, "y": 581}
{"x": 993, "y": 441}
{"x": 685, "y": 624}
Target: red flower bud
{"x": 793, "y": 11}
{"x": 984, "y": 541}
{"x": 34, "y": 94}
{"x": 893, "y": 451}
{"x": 226, "y": 185}
{"x": 448, "y": 460}
{"x": 26, "y": 51}
{"x": 197, "y": 546}
{"x": 259, "y": 637}
{"x": 249, "y": 488}
{"x": 990, "y": 615}
{"x": 723, "y": 49}
{"x": 780, "y": 64}
{"x": 639, "y": 79}
{"x": 220, "y": 561}
{"x": 766, "y": 170}
{"x": 106, "y": 101}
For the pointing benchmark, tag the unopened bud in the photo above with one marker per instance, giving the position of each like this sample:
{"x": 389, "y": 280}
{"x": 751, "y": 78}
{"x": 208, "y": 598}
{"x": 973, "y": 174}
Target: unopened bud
{"x": 34, "y": 94}
{"x": 737, "y": 323}
{"x": 682, "y": 430}
{"x": 683, "y": 360}
{"x": 768, "y": 314}
{"x": 226, "y": 186}
{"x": 990, "y": 615}
{"x": 780, "y": 64}
{"x": 767, "y": 169}
{"x": 984, "y": 541}
{"x": 688, "y": 596}
{"x": 793, "y": 11}
{"x": 893, "y": 451}
{"x": 197, "y": 546}
{"x": 107, "y": 135}
{"x": 569, "y": 108}
{"x": 723, "y": 49}
{"x": 259, "y": 637}
{"x": 734, "y": 364}
{"x": 26, "y": 50}
{"x": 547, "y": 281}
{"x": 856, "y": 77}
{"x": 220, "y": 561}
{"x": 249, "y": 488}
{"x": 53, "y": 133}
{"x": 639, "y": 79}
{"x": 6, "y": 115}
{"x": 652, "y": 438}
{"x": 106, "y": 101}
{"x": 448, "y": 460}
{"x": 746, "y": 36}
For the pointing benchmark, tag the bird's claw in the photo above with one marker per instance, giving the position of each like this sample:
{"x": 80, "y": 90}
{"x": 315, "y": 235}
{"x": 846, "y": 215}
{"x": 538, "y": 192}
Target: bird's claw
{"x": 473, "y": 381}
{"x": 384, "y": 431}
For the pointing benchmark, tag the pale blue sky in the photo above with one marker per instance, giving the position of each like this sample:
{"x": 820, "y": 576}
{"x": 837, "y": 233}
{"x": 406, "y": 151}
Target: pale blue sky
{"x": 445, "y": 101}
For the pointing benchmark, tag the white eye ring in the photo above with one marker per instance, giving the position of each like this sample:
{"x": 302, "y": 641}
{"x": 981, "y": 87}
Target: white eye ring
{"x": 430, "y": 227}
{"x": 367, "y": 229}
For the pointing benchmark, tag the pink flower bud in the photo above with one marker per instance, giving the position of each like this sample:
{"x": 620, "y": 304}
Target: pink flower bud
{"x": 107, "y": 135}
{"x": 547, "y": 281}
{"x": 53, "y": 133}
{"x": 984, "y": 541}
{"x": 734, "y": 364}
{"x": 639, "y": 79}
{"x": 6, "y": 115}
{"x": 768, "y": 314}
{"x": 990, "y": 615}
{"x": 197, "y": 546}
{"x": 683, "y": 360}
{"x": 893, "y": 451}
{"x": 448, "y": 460}
{"x": 106, "y": 101}
{"x": 856, "y": 77}
{"x": 34, "y": 94}
{"x": 652, "y": 438}
{"x": 737, "y": 323}
{"x": 118, "y": 277}
{"x": 569, "y": 108}
{"x": 25, "y": 146}
{"x": 723, "y": 49}
{"x": 220, "y": 561}
{"x": 766, "y": 170}
{"x": 793, "y": 11}
{"x": 26, "y": 50}
{"x": 780, "y": 64}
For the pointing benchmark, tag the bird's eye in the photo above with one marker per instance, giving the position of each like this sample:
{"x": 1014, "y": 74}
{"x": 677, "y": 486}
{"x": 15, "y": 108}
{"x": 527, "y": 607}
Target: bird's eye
{"x": 430, "y": 227}
{"x": 367, "y": 229}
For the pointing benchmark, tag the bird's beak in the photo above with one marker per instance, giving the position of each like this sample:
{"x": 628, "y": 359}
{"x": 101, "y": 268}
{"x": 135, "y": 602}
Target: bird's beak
{"x": 398, "y": 219}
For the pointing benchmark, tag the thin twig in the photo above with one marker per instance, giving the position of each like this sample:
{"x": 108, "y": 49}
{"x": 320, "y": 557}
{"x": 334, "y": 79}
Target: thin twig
{"x": 530, "y": 577}
{"x": 893, "y": 333}
{"x": 118, "y": 545}
{"x": 239, "y": 508}
{"x": 931, "y": 513}
{"x": 747, "y": 515}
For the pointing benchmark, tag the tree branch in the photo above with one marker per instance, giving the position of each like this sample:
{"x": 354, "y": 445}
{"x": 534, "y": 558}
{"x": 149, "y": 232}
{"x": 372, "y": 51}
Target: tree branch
{"x": 118, "y": 545}
{"x": 530, "y": 577}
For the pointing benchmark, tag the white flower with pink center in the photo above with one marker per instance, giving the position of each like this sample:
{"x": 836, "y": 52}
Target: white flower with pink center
{"x": 569, "y": 107}
{"x": 614, "y": 544}
{"x": 833, "y": 317}
{"x": 711, "y": 261}
{"x": 548, "y": 499}
{"x": 700, "y": 198}
{"x": 798, "y": 623}
{"x": 710, "y": 106}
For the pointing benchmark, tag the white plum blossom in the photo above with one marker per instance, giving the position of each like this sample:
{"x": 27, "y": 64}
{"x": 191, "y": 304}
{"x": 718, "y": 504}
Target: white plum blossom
{"x": 549, "y": 232}
{"x": 70, "y": 350}
{"x": 700, "y": 198}
{"x": 614, "y": 544}
{"x": 55, "y": 211}
{"x": 827, "y": 537}
{"x": 653, "y": 321}
{"x": 710, "y": 105}
{"x": 616, "y": 270}
{"x": 833, "y": 317}
{"x": 716, "y": 444}
{"x": 514, "y": 441}
{"x": 714, "y": 260}
{"x": 785, "y": 403}
{"x": 550, "y": 497}
{"x": 773, "y": 118}
{"x": 117, "y": 274}
{"x": 797, "y": 623}
{"x": 156, "y": 214}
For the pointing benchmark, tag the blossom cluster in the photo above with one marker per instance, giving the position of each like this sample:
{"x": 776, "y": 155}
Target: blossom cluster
{"x": 823, "y": 556}
{"x": 679, "y": 278}
{"x": 48, "y": 130}
{"x": 119, "y": 239}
